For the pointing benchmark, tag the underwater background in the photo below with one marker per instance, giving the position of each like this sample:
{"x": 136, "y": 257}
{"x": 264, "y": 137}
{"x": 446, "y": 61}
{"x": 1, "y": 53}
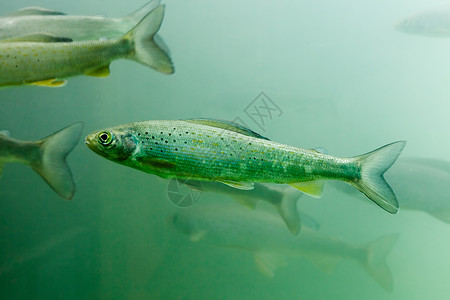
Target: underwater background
{"x": 335, "y": 74}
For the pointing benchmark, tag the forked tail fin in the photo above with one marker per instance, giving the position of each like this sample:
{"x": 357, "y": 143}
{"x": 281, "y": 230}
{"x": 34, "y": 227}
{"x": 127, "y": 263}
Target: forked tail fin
{"x": 146, "y": 50}
{"x": 142, "y": 11}
{"x": 375, "y": 260}
{"x": 371, "y": 181}
{"x": 52, "y": 164}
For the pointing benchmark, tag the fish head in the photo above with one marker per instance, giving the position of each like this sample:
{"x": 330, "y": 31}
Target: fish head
{"x": 181, "y": 223}
{"x": 113, "y": 144}
{"x": 403, "y": 25}
{"x": 424, "y": 24}
{"x": 408, "y": 25}
{"x": 185, "y": 223}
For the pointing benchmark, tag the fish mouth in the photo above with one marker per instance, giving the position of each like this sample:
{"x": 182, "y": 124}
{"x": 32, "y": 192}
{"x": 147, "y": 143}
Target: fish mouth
{"x": 89, "y": 141}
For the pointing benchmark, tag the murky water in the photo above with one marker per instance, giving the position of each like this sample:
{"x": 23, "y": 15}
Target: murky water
{"x": 310, "y": 74}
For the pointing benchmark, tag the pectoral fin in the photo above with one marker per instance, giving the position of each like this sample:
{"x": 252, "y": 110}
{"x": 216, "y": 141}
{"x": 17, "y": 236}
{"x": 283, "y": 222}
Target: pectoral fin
{"x": 197, "y": 236}
{"x": 247, "y": 186}
{"x": 50, "y": 83}
{"x": 312, "y": 188}
{"x": 267, "y": 263}
{"x": 100, "y": 72}
{"x": 246, "y": 201}
{"x": 155, "y": 164}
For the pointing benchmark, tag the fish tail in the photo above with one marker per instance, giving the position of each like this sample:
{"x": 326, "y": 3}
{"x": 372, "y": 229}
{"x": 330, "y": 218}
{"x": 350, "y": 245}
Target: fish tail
{"x": 375, "y": 260}
{"x": 143, "y": 11}
{"x": 371, "y": 181}
{"x": 146, "y": 51}
{"x": 52, "y": 165}
{"x": 287, "y": 208}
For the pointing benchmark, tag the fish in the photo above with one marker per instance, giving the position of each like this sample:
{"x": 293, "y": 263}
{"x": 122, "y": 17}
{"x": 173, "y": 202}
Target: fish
{"x": 47, "y": 156}
{"x": 282, "y": 197}
{"x": 223, "y": 151}
{"x": 46, "y": 60}
{"x": 431, "y": 23}
{"x": 422, "y": 184}
{"x": 32, "y": 20}
{"x": 45, "y": 248}
{"x": 262, "y": 233}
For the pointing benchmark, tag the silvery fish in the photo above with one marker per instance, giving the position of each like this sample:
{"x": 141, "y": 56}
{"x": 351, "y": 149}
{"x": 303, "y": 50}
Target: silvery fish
{"x": 282, "y": 197}
{"x": 215, "y": 150}
{"x": 46, "y": 60}
{"x": 44, "y": 248}
{"x": 432, "y": 23}
{"x": 422, "y": 184}
{"x": 40, "y": 20}
{"x": 47, "y": 157}
{"x": 263, "y": 234}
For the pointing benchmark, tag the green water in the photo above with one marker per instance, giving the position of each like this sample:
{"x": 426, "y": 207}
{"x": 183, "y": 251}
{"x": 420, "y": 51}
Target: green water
{"x": 340, "y": 77}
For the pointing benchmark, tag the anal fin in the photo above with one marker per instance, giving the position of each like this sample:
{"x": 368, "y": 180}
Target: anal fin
{"x": 100, "y": 72}
{"x": 312, "y": 188}
{"x": 247, "y": 201}
{"x": 50, "y": 83}
{"x": 247, "y": 186}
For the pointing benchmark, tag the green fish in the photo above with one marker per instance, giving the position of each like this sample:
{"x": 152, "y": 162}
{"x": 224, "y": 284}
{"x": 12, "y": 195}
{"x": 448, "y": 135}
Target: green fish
{"x": 214, "y": 150}
{"x": 31, "y": 20}
{"x": 47, "y": 157}
{"x": 45, "y": 60}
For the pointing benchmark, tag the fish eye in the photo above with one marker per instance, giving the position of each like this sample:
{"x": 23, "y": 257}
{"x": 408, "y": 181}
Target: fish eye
{"x": 105, "y": 138}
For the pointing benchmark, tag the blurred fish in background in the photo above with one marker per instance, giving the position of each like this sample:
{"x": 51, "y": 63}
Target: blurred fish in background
{"x": 430, "y": 23}
{"x": 47, "y": 157}
{"x": 43, "y": 59}
{"x": 31, "y": 20}
{"x": 262, "y": 233}
{"x": 282, "y": 197}
{"x": 421, "y": 184}
{"x": 41, "y": 249}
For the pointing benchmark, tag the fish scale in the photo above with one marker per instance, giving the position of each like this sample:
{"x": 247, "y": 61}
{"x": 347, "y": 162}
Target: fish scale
{"x": 216, "y": 150}
{"x": 215, "y": 153}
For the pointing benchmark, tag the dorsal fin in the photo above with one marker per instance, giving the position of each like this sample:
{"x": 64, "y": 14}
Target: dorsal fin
{"x": 37, "y": 38}
{"x": 227, "y": 125}
{"x": 34, "y": 11}
{"x": 320, "y": 150}
{"x": 5, "y": 133}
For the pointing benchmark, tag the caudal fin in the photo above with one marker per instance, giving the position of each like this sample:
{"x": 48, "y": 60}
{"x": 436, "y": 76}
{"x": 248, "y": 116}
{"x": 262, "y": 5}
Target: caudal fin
{"x": 375, "y": 260}
{"x": 371, "y": 181}
{"x": 52, "y": 164}
{"x": 146, "y": 50}
{"x": 136, "y": 16}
